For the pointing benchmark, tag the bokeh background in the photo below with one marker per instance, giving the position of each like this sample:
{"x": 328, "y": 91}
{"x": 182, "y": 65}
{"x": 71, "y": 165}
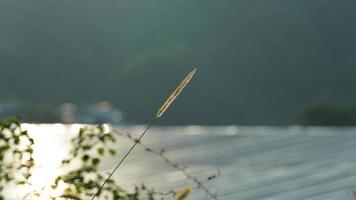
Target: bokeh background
{"x": 260, "y": 62}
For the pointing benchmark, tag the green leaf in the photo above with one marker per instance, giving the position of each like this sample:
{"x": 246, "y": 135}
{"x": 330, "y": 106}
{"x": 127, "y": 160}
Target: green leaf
{"x": 86, "y": 147}
{"x": 95, "y": 161}
{"x": 21, "y": 182}
{"x": 29, "y": 150}
{"x": 85, "y": 158}
{"x": 101, "y": 150}
{"x": 111, "y": 137}
{"x": 16, "y": 139}
{"x": 24, "y": 133}
{"x": 112, "y": 151}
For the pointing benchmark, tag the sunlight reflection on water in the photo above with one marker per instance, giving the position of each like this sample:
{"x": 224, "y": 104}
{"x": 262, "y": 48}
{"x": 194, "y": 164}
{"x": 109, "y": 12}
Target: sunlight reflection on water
{"x": 50, "y": 147}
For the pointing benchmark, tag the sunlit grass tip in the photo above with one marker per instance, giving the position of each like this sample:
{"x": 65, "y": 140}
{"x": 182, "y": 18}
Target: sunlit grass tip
{"x": 175, "y": 94}
{"x": 183, "y": 194}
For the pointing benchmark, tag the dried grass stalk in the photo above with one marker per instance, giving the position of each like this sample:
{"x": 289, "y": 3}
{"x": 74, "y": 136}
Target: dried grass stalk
{"x": 183, "y": 194}
{"x": 175, "y": 93}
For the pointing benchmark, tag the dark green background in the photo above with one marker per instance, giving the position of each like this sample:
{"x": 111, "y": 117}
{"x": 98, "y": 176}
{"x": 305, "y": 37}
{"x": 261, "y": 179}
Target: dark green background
{"x": 259, "y": 60}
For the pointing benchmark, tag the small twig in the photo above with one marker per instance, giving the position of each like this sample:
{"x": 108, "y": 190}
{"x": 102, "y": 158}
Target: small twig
{"x": 199, "y": 184}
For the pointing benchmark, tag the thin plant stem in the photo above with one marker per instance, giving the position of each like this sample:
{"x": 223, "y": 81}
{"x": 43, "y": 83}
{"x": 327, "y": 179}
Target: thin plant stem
{"x": 159, "y": 114}
{"x": 122, "y": 160}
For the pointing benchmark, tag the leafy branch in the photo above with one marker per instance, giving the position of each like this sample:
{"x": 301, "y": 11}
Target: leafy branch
{"x": 15, "y": 154}
{"x": 88, "y": 147}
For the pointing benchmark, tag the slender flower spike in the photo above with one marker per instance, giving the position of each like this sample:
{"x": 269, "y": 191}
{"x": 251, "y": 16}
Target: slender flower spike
{"x": 159, "y": 114}
{"x": 175, "y": 94}
{"x": 182, "y": 195}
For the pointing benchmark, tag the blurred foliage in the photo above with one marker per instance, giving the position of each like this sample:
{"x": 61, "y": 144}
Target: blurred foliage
{"x": 327, "y": 114}
{"x": 84, "y": 179}
{"x": 81, "y": 181}
{"x": 15, "y": 154}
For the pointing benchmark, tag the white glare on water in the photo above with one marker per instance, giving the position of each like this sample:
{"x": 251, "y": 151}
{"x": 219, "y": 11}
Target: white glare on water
{"x": 51, "y": 146}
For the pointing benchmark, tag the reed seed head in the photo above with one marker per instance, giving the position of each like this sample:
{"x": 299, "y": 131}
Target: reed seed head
{"x": 183, "y": 194}
{"x": 175, "y": 94}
